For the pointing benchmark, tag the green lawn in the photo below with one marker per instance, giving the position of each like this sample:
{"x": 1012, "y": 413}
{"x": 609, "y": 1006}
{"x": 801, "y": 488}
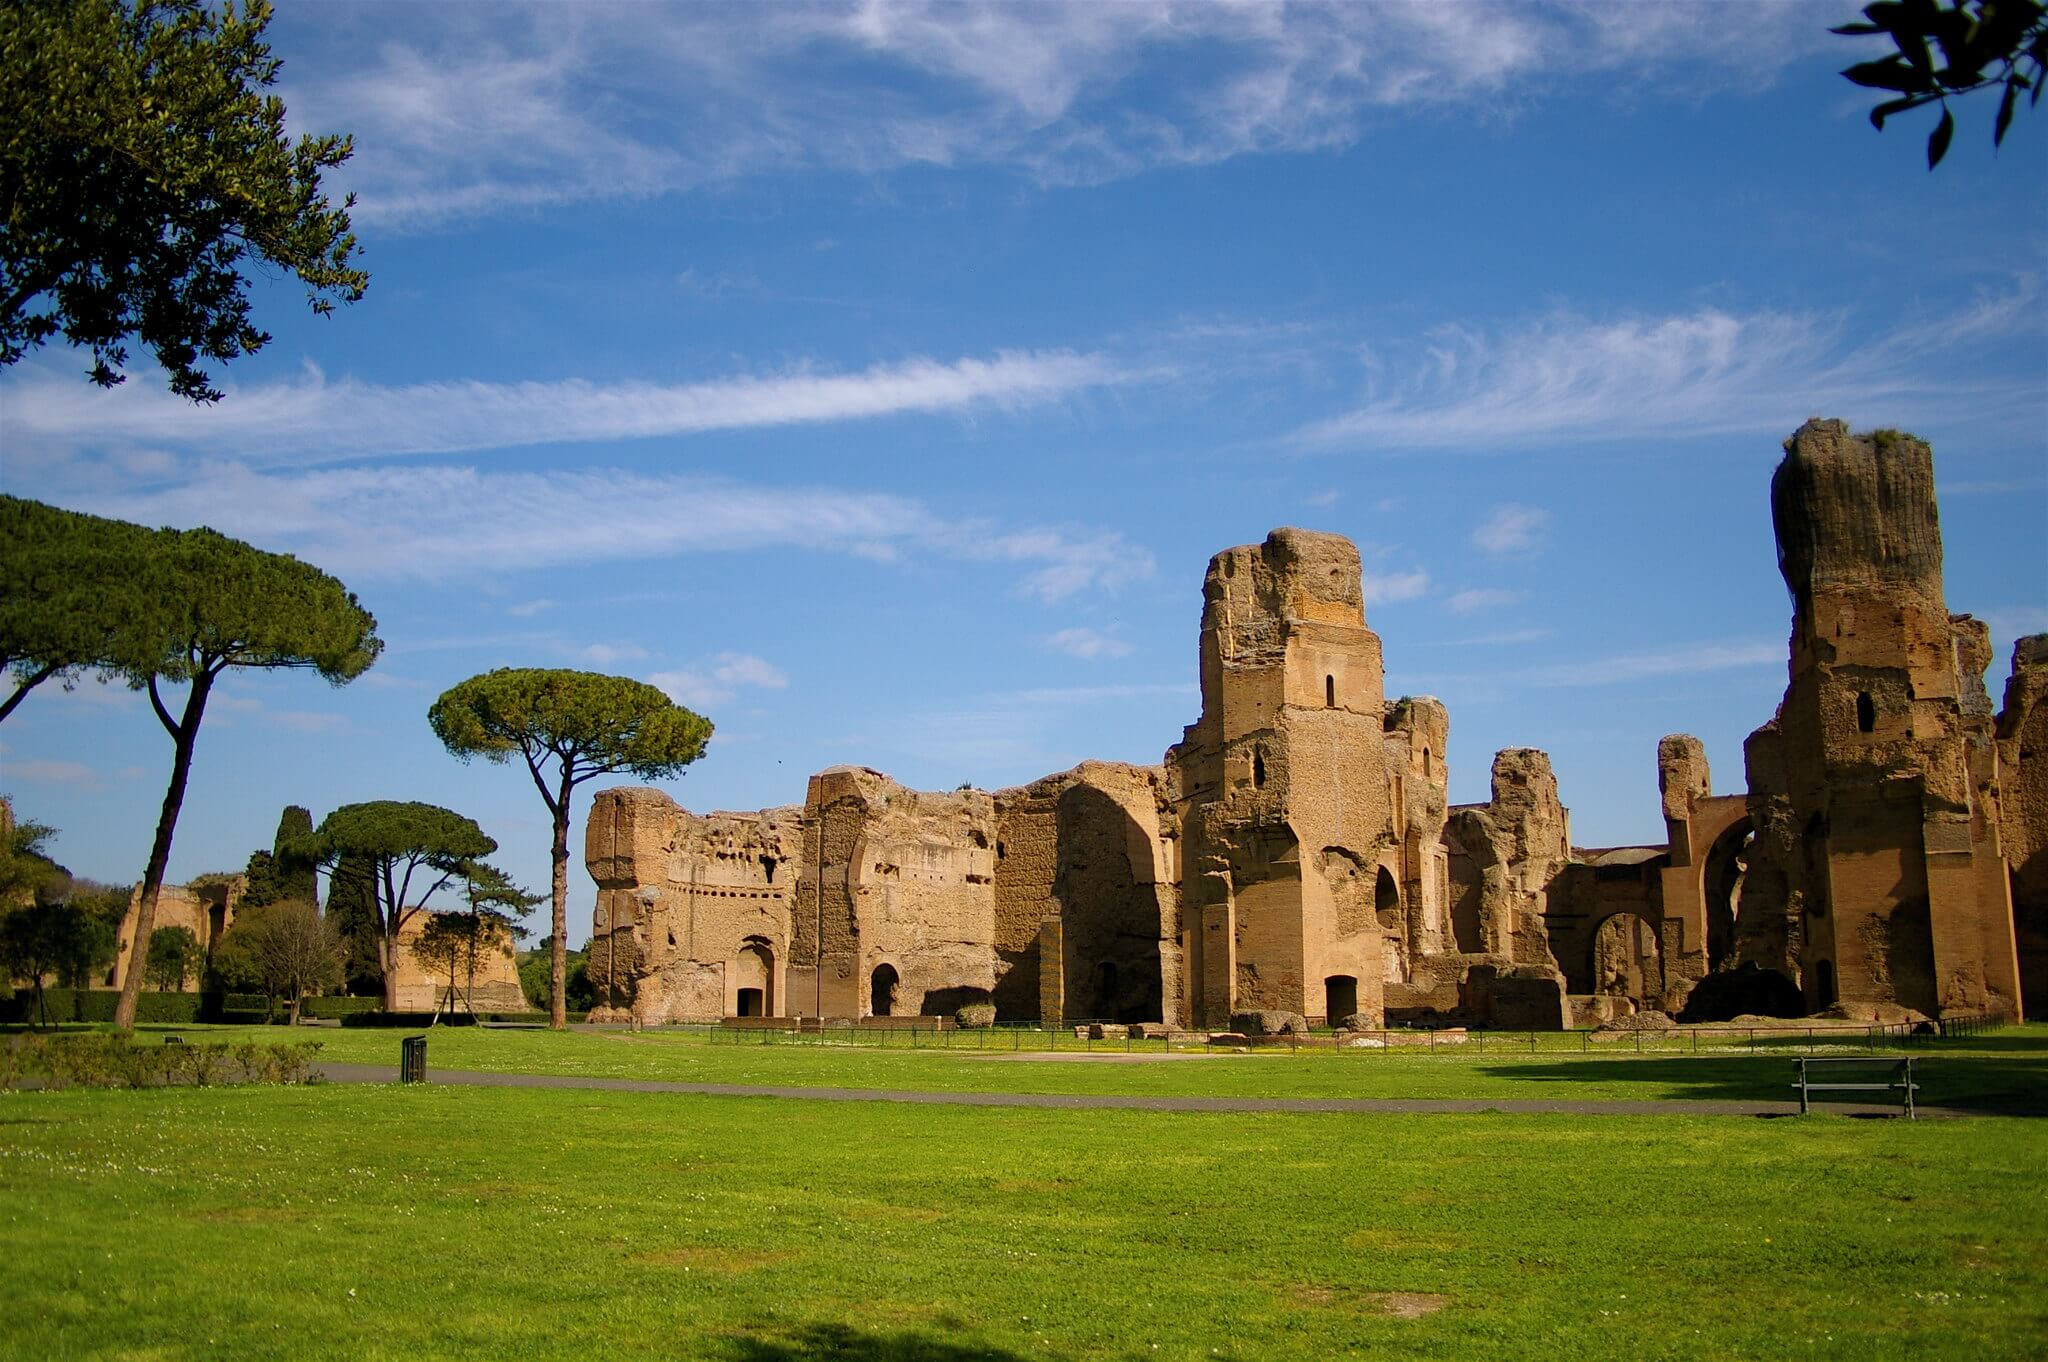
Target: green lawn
{"x": 2004, "y": 1071}
{"x": 360, "y": 1222}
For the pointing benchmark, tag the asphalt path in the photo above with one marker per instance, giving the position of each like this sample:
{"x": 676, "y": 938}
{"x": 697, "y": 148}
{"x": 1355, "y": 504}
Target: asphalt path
{"x": 385, "y": 1073}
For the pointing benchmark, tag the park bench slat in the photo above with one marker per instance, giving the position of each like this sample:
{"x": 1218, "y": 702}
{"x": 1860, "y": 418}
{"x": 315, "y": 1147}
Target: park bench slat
{"x": 1901, "y": 1080}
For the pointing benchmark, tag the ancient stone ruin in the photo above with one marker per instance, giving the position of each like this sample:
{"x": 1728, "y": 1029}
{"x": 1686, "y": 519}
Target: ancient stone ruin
{"x": 1295, "y": 853}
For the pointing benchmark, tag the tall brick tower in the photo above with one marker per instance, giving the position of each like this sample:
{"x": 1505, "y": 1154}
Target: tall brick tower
{"x": 1883, "y": 756}
{"x": 1289, "y": 858}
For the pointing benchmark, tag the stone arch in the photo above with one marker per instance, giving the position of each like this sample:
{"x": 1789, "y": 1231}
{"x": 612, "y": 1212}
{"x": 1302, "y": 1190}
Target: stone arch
{"x": 1721, "y": 876}
{"x": 1340, "y": 998}
{"x": 1386, "y": 899}
{"x": 1625, "y": 958}
{"x": 1345, "y": 873}
{"x": 1111, "y": 928}
{"x": 754, "y": 979}
{"x": 883, "y": 984}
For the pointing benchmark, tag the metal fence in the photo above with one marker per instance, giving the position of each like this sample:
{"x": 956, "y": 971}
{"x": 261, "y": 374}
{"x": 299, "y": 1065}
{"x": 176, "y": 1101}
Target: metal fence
{"x": 1074, "y": 1038}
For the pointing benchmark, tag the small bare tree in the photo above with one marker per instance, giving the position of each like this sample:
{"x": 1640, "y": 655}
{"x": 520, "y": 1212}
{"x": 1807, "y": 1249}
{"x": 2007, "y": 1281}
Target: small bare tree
{"x": 297, "y": 952}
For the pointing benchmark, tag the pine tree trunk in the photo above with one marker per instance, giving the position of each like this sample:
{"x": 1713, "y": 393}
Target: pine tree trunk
{"x": 558, "y": 958}
{"x": 387, "y": 962}
{"x": 160, "y": 852}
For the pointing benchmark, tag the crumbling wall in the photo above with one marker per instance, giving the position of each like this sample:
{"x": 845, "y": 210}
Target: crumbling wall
{"x": 2022, "y": 735}
{"x": 909, "y": 882}
{"x": 692, "y": 908}
{"x": 1281, "y": 785}
{"x": 1883, "y": 744}
{"x": 205, "y": 908}
{"x": 1112, "y": 892}
{"x": 494, "y": 989}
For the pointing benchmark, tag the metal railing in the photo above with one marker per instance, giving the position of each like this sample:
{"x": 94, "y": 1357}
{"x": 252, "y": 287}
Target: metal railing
{"x": 1076, "y": 1038}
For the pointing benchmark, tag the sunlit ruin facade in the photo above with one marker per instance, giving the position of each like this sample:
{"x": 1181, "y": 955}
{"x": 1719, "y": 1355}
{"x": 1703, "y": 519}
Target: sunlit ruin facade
{"x": 1295, "y": 851}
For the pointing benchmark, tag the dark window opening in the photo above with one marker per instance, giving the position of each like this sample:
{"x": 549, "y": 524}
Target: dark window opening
{"x": 1329, "y": 692}
{"x": 1340, "y": 998}
{"x": 1866, "y": 712}
{"x": 750, "y": 1003}
{"x": 1106, "y": 990}
{"x": 882, "y": 991}
{"x": 1425, "y": 763}
{"x": 1258, "y": 770}
{"x": 768, "y": 866}
{"x": 1824, "y": 983}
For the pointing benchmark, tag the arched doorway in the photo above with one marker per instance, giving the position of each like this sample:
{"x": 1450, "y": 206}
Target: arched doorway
{"x": 1823, "y": 984}
{"x": 1727, "y": 864}
{"x": 1628, "y": 960}
{"x": 1340, "y": 998}
{"x": 1386, "y": 905}
{"x": 882, "y": 991}
{"x": 754, "y": 975}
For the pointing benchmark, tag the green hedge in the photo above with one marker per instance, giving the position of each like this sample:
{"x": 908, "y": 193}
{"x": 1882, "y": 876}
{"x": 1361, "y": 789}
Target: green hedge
{"x": 97, "y": 1005}
{"x": 114, "y": 1060}
{"x": 537, "y": 1016}
{"x": 415, "y": 1019}
{"x": 329, "y": 1009}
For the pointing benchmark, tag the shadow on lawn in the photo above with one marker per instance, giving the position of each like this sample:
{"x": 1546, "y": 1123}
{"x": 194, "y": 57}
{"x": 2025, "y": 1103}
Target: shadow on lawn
{"x": 1989, "y": 1083}
{"x": 853, "y": 1345}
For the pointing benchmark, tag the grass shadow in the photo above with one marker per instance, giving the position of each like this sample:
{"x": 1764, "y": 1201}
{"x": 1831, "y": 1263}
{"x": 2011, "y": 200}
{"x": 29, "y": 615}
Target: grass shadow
{"x": 1989, "y": 1083}
{"x": 854, "y": 1345}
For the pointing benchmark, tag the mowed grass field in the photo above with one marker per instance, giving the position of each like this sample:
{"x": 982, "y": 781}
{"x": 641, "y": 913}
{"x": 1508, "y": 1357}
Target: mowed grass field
{"x": 2004, "y": 1071}
{"x": 387, "y": 1222}
{"x": 493, "y": 1223}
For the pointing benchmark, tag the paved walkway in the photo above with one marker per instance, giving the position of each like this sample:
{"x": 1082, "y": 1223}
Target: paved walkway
{"x": 384, "y": 1073}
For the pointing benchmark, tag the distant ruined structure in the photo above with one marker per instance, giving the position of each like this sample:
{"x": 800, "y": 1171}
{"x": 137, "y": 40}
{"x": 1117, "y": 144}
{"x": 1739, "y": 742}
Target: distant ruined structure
{"x": 1295, "y": 851}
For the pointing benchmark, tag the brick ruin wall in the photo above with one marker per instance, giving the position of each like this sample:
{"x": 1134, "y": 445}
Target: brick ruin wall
{"x": 1296, "y": 851}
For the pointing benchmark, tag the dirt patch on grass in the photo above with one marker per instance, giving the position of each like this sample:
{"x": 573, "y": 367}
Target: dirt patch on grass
{"x": 1391, "y": 1304}
{"x": 724, "y": 1261}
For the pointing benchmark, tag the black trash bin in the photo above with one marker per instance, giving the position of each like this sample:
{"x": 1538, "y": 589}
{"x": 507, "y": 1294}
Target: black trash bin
{"x": 412, "y": 1060}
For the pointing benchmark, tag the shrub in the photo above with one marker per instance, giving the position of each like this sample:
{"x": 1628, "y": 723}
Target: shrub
{"x": 420, "y": 1020}
{"x": 330, "y": 1009}
{"x": 110, "y": 1060}
{"x": 976, "y": 1015}
{"x": 97, "y": 1005}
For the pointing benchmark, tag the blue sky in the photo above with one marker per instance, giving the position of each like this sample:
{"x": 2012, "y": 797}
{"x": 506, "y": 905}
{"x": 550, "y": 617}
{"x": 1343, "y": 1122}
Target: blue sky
{"x": 879, "y": 379}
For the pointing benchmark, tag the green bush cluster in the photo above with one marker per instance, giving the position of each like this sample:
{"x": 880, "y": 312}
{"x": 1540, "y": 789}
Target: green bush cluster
{"x": 416, "y": 1019}
{"x": 97, "y": 1005}
{"x": 112, "y": 1060}
{"x": 975, "y": 1016}
{"x": 331, "y": 1009}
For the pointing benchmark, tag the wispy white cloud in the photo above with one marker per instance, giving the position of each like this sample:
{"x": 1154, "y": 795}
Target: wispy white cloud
{"x": 461, "y": 112}
{"x": 528, "y": 609}
{"x": 431, "y": 522}
{"x": 1503, "y": 638}
{"x": 1088, "y": 644}
{"x": 1387, "y": 588}
{"x": 1511, "y": 529}
{"x": 314, "y": 418}
{"x": 1705, "y": 372}
{"x": 1682, "y": 659}
{"x": 37, "y": 771}
{"x": 718, "y": 679}
{"x": 1070, "y": 561}
{"x": 1472, "y": 600}
{"x": 605, "y": 654}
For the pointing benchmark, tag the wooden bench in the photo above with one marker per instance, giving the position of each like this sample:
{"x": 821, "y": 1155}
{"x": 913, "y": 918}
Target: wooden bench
{"x": 1898, "y": 1078}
